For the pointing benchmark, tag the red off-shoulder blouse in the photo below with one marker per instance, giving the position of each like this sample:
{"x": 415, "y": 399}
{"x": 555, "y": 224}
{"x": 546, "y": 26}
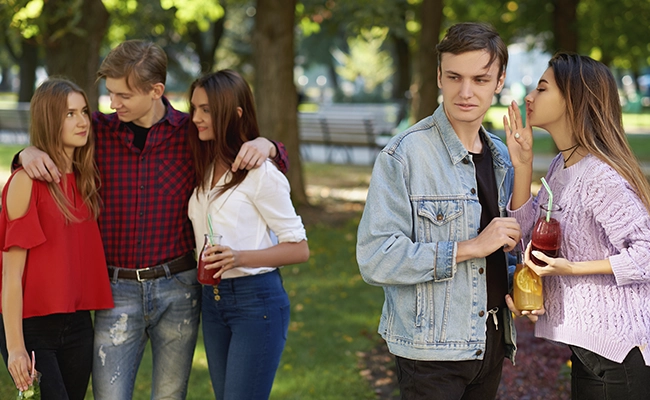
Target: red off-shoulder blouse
{"x": 65, "y": 270}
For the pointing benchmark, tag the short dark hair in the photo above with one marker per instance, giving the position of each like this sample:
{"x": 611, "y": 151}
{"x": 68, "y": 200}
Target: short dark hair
{"x": 472, "y": 36}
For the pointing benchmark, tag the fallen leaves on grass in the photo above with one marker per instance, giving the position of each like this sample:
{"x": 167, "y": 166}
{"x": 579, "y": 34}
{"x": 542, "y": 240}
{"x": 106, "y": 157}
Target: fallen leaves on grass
{"x": 541, "y": 372}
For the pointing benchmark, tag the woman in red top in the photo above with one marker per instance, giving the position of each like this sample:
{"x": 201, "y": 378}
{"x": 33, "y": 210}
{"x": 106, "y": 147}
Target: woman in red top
{"x": 53, "y": 265}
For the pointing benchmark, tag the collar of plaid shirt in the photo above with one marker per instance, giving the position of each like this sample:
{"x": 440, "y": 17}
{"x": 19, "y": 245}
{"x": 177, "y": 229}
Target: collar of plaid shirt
{"x": 144, "y": 220}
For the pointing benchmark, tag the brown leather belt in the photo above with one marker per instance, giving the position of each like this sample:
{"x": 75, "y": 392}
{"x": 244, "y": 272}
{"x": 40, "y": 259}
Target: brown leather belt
{"x": 180, "y": 264}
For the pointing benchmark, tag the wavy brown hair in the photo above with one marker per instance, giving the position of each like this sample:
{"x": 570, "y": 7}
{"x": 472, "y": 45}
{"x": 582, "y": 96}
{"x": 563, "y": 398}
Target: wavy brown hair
{"x": 48, "y": 108}
{"x": 595, "y": 115}
{"x": 226, "y": 91}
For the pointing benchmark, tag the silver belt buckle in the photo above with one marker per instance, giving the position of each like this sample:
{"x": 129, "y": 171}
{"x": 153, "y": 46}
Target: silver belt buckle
{"x": 137, "y": 274}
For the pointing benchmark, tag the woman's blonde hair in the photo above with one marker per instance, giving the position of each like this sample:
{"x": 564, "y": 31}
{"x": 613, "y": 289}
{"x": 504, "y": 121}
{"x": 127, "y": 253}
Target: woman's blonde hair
{"x": 48, "y": 109}
{"x": 595, "y": 115}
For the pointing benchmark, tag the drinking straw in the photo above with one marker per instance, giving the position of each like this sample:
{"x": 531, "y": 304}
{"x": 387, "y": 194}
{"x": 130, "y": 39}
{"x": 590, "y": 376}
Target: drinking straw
{"x": 33, "y": 363}
{"x": 210, "y": 228}
{"x": 550, "y": 199}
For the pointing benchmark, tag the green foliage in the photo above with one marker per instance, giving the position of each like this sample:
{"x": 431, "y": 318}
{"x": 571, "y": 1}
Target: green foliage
{"x": 616, "y": 30}
{"x": 201, "y": 12}
{"x": 25, "y": 15}
{"x": 366, "y": 59}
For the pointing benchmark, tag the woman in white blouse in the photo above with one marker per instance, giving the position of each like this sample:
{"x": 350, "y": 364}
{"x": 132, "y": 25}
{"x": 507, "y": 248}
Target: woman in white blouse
{"x": 246, "y": 316}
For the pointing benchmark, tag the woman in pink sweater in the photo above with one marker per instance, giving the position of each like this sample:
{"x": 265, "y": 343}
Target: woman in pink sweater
{"x": 597, "y": 292}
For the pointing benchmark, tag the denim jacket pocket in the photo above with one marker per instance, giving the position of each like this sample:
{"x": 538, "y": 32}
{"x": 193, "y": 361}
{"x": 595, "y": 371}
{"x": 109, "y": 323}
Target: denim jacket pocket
{"x": 439, "y": 221}
{"x": 440, "y": 213}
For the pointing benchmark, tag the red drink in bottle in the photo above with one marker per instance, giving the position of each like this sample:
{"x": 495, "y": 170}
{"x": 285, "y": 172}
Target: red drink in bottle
{"x": 547, "y": 234}
{"x": 204, "y": 276}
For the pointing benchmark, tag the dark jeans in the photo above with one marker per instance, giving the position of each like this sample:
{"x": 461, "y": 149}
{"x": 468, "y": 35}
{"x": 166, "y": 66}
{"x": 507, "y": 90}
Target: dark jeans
{"x": 594, "y": 377}
{"x": 245, "y": 325}
{"x": 454, "y": 380}
{"x": 63, "y": 344}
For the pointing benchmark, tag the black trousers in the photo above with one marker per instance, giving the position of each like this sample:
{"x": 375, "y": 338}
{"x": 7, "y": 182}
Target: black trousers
{"x": 594, "y": 377}
{"x": 63, "y": 344}
{"x": 455, "y": 380}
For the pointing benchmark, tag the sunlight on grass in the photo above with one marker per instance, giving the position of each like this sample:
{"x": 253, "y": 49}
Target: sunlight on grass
{"x": 334, "y": 315}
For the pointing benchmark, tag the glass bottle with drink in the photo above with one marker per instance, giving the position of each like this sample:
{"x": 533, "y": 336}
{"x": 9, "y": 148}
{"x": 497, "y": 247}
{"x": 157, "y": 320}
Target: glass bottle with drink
{"x": 547, "y": 233}
{"x": 33, "y": 392}
{"x": 527, "y": 288}
{"x": 205, "y": 276}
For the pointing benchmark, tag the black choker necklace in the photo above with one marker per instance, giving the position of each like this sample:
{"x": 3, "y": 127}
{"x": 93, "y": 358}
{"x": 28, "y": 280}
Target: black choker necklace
{"x": 574, "y": 148}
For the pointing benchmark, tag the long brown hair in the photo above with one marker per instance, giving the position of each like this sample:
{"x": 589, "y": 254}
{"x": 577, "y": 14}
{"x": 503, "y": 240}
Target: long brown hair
{"x": 595, "y": 115}
{"x": 48, "y": 108}
{"x": 226, "y": 91}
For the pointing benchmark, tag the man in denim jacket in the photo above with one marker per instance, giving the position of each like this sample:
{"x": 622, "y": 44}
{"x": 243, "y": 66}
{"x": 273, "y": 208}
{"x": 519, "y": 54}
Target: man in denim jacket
{"x": 434, "y": 236}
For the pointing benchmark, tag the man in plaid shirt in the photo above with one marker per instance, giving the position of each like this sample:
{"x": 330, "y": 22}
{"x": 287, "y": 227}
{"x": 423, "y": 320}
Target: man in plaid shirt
{"x": 147, "y": 177}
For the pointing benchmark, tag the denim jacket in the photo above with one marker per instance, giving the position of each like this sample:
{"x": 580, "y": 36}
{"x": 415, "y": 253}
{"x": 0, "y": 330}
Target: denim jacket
{"x": 421, "y": 202}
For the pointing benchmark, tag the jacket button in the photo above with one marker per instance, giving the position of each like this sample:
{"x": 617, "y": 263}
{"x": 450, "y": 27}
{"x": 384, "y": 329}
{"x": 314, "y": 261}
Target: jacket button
{"x": 217, "y": 297}
{"x": 479, "y": 352}
{"x": 480, "y": 270}
{"x": 473, "y": 191}
{"x": 481, "y": 313}
{"x": 439, "y": 217}
{"x": 465, "y": 160}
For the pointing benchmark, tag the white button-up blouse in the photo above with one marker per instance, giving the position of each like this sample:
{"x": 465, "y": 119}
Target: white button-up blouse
{"x": 248, "y": 216}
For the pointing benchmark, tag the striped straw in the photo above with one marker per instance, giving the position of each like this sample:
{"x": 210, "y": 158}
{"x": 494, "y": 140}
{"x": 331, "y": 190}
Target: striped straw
{"x": 550, "y": 199}
{"x": 210, "y": 229}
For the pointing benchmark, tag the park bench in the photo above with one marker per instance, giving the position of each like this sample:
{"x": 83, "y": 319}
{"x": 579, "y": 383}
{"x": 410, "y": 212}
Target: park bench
{"x": 342, "y": 127}
{"x": 14, "y": 123}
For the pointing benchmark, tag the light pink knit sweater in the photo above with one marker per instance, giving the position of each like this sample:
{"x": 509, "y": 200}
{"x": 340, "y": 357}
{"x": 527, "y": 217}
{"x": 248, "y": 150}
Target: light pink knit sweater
{"x": 602, "y": 218}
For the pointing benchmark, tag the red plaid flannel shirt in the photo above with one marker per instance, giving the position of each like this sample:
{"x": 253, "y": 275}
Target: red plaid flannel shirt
{"x": 144, "y": 219}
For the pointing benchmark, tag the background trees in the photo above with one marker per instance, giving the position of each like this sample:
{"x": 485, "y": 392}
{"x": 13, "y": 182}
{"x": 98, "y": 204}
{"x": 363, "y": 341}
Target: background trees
{"x": 365, "y": 50}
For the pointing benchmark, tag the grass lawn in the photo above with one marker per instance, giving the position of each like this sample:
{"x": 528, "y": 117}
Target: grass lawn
{"x": 334, "y": 315}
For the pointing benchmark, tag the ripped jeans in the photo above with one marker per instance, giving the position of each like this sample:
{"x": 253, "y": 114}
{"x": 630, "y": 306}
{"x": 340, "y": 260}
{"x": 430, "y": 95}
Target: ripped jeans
{"x": 165, "y": 310}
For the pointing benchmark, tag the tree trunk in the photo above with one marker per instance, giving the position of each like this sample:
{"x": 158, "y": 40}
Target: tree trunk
{"x": 426, "y": 98}
{"x": 565, "y": 25}
{"x": 5, "y": 84}
{"x": 72, "y": 43}
{"x": 28, "y": 63}
{"x": 402, "y": 79}
{"x": 275, "y": 92}
{"x": 206, "y": 43}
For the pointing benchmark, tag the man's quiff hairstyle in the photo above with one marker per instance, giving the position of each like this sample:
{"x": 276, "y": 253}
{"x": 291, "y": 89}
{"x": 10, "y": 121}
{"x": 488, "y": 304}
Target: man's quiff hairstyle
{"x": 142, "y": 63}
{"x": 472, "y": 36}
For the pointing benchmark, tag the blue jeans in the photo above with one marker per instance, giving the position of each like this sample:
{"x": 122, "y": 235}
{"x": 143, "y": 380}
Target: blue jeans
{"x": 245, "y": 328}
{"x": 596, "y": 377}
{"x": 63, "y": 344}
{"x": 165, "y": 310}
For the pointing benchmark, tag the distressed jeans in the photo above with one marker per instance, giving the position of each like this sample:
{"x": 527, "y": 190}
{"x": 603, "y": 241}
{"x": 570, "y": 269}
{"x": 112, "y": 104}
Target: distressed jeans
{"x": 165, "y": 310}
